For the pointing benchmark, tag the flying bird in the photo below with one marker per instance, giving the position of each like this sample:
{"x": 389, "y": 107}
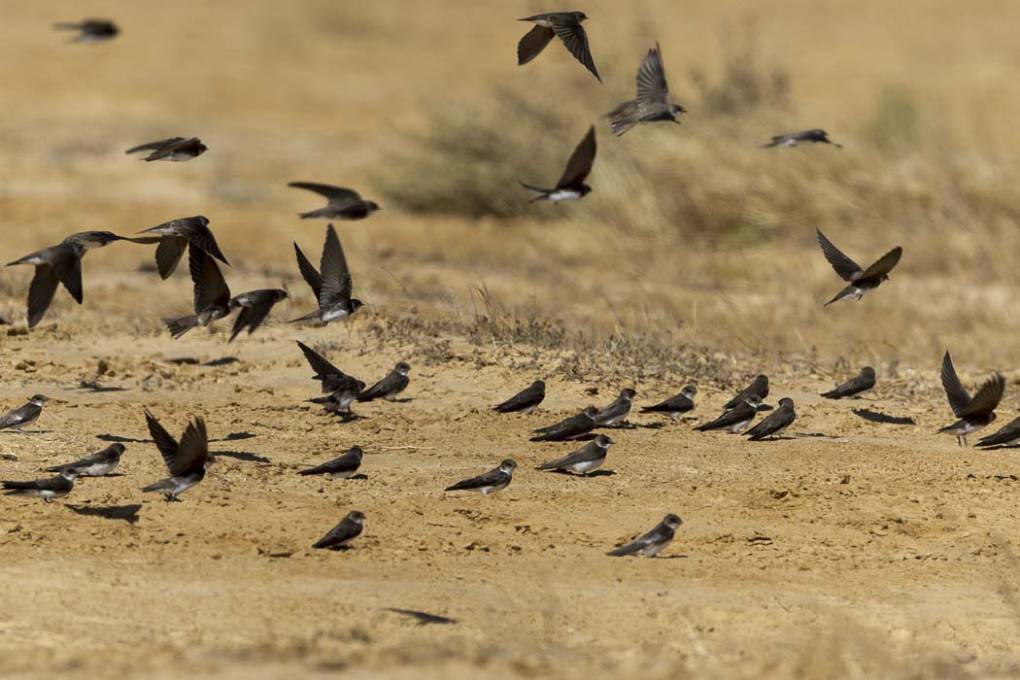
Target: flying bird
{"x": 650, "y": 544}
{"x": 490, "y": 482}
{"x": 775, "y": 423}
{"x": 89, "y": 30}
{"x": 736, "y": 419}
{"x": 676, "y": 405}
{"x": 571, "y": 186}
{"x": 173, "y": 149}
{"x": 583, "y": 461}
{"x": 343, "y": 466}
{"x": 343, "y": 533}
{"x": 974, "y": 413}
{"x": 567, "y": 26}
{"x": 212, "y": 296}
{"x": 860, "y": 281}
{"x": 343, "y": 204}
{"x": 97, "y": 464}
{"x": 332, "y": 283}
{"x": 46, "y": 489}
{"x": 24, "y": 415}
{"x": 255, "y": 306}
{"x": 616, "y": 413}
{"x": 526, "y": 400}
{"x": 651, "y": 104}
{"x": 862, "y": 382}
{"x": 342, "y": 388}
{"x": 759, "y": 388}
{"x": 390, "y": 386}
{"x": 1008, "y": 435}
{"x": 185, "y": 461}
{"x": 175, "y": 235}
{"x": 574, "y": 426}
{"x": 815, "y": 135}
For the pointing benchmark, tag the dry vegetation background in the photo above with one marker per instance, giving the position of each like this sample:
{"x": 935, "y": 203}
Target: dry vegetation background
{"x": 694, "y": 258}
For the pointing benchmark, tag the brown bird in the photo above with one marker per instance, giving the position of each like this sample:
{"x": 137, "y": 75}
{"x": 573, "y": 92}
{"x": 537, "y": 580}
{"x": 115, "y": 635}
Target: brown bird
{"x": 974, "y": 413}
{"x": 651, "y": 104}
{"x": 565, "y": 25}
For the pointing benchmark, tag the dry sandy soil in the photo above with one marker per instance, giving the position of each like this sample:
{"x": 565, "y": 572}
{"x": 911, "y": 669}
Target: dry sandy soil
{"x": 851, "y": 549}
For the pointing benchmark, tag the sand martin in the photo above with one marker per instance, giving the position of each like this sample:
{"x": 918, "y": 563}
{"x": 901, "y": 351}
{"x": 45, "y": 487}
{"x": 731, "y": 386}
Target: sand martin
{"x": 974, "y": 413}
{"x": 759, "y": 388}
{"x": 526, "y": 400}
{"x": 794, "y": 138}
{"x": 860, "y": 280}
{"x": 175, "y": 235}
{"x": 185, "y": 461}
{"x": 574, "y": 426}
{"x": 490, "y": 482}
{"x": 862, "y": 382}
{"x": 616, "y": 413}
{"x": 344, "y": 204}
{"x": 212, "y": 296}
{"x": 89, "y": 30}
{"x": 586, "y": 459}
{"x": 350, "y": 527}
{"x": 571, "y": 186}
{"x": 774, "y": 423}
{"x": 341, "y": 467}
{"x": 1008, "y": 435}
{"x": 46, "y": 489}
{"x": 676, "y": 405}
{"x": 173, "y": 149}
{"x": 255, "y": 306}
{"x": 343, "y": 389}
{"x": 24, "y": 415}
{"x": 394, "y": 383}
{"x": 651, "y": 104}
{"x": 332, "y": 283}
{"x": 735, "y": 419}
{"x": 96, "y": 465}
{"x": 566, "y": 25}
{"x": 650, "y": 544}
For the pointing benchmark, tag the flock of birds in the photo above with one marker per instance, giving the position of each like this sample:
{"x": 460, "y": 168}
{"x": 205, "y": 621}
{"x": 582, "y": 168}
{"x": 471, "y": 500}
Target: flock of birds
{"x": 332, "y": 286}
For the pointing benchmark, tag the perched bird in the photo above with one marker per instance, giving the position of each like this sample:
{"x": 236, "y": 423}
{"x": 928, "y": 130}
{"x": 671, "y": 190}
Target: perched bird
{"x": 344, "y": 204}
{"x": 255, "y": 306}
{"x": 735, "y": 419}
{"x": 574, "y": 426}
{"x": 571, "y": 186}
{"x": 342, "y": 389}
{"x": 212, "y": 296}
{"x": 650, "y": 544}
{"x": 651, "y": 104}
{"x": 394, "y": 383}
{"x": 89, "y": 30}
{"x": 173, "y": 149}
{"x": 185, "y": 461}
{"x": 862, "y": 382}
{"x": 24, "y": 415}
{"x": 675, "y": 405}
{"x": 341, "y": 467}
{"x": 585, "y": 460}
{"x": 490, "y": 482}
{"x": 46, "y": 489}
{"x": 794, "y": 138}
{"x": 974, "y": 413}
{"x": 96, "y": 465}
{"x": 60, "y": 264}
{"x": 566, "y": 25}
{"x": 423, "y": 618}
{"x": 860, "y": 280}
{"x": 774, "y": 423}
{"x": 350, "y": 527}
{"x": 1008, "y": 435}
{"x": 332, "y": 284}
{"x": 526, "y": 400}
{"x": 759, "y": 388}
{"x": 616, "y": 413}
{"x": 175, "y": 235}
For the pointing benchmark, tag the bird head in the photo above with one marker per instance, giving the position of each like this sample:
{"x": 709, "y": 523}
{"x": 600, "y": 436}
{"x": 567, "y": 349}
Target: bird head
{"x": 676, "y": 110}
{"x": 280, "y": 294}
{"x": 39, "y": 399}
{"x": 591, "y": 411}
{"x": 356, "y": 516}
{"x": 372, "y": 206}
{"x": 508, "y": 465}
{"x": 580, "y": 16}
{"x": 753, "y": 401}
{"x": 118, "y": 448}
{"x": 402, "y": 368}
{"x": 672, "y": 521}
{"x": 70, "y": 474}
{"x": 868, "y": 372}
{"x": 628, "y": 394}
{"x": 356, "y": 451}
{"x": 602, "y": 441}
{"x": 689, "y": 391}
{"x": 356, "y": 304}
{"x": 584, "y": 189}
{"x": 786, "y": 402}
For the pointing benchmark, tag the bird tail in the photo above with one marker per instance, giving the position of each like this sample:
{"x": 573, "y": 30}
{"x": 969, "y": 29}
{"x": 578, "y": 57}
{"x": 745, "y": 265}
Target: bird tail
{"x": 15, "y": 487}
{"x": 312, "y": 214}
{"x": 162, "y": 485}
{"x": 66, "y": 26}
{"x": 306, "y": 317}
{"x": 181, "y": 325}
{"x": 543, "y": 194}
{"x": 624, "y": 550}
{"x": 623, "y": 117}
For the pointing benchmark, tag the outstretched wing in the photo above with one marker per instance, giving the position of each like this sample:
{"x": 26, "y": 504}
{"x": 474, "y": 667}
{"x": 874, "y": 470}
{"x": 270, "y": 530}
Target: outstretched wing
{"x": 337, "y": 196}
{"x": 533, "y": 42}
{"x": 336, "y": 277}
{"x": 322, "y": 367}
{"x": 847, "y": 269}
{"x": 958, "y": 396}
{"x": 165, "y": 442}
{"x": 576, "y": 40}
{"x": 194, "y": 448}
{"x": 210, "y": 288}
{"x": 651, "y": 79}
{"x": 40, "y": 293}
{"x": 884, "y": 265}
{"x": 308, "y": 271}
{"x": 987, "y": 398}
{"x": 580, "y": 161}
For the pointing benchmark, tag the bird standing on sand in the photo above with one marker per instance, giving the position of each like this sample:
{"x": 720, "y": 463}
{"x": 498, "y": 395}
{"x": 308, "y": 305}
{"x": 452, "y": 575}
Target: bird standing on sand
{"x": 332, "y": 283}
{"x": 758, "y": 388}
{"x": 46, "y": 489}
{"x": 736, "y": 419}
{"x": 775, "y": 423}
{"x": 174, "y": 236}
{"x": 490, "y": 482}
{"x": 676, "y": 405}
{"x": 343, "y": 204}
{"x": 651, "y": 104}
{"x": 526, "y": 400}
{"x": 89, "y": 30}
{"x": 585, "y": 460}
{"x": 574, "y": 426}
{"x": 395, "y": 382}
{"x": 790, "y": 139}
{"x": 24, "y": 415}
{"x": 174, "y": 149}
{"x": 98, "y": 464}
{"x": 571, "y": 186}
{"x": 862, "y": 382}
{"x": 349, "y": 528}
{"x": 185, "y": 461}
{"x": 974, "y": 413}
{"x": 342, "y": 467}
{"x": 1007, "y": 435}
{"x": 567, "y": 26}
{"x": 212, "y": 296}
{"x": 652, "y": 543}
{"x": 860, "y": 281}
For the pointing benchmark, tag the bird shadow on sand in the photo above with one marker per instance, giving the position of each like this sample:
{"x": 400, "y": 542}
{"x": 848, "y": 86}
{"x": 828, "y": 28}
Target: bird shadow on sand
{"x": 882, "y": 418}
{"x": 672, "y": 557}
{"x": 596, "y": 473}
{"x": 222, "y": 361}
{"x": 650, "y": 426}
{"x": 998, "y": 447}
{"x": 97, "y": 389}
{"x": 423, "y": 618}
{"x": 126, "y": 513}
{"x": 810, "y": 435}
{"x": 245, "y": 456}
{"x": 116, "y": 438}
{"x": 26, "y": 431}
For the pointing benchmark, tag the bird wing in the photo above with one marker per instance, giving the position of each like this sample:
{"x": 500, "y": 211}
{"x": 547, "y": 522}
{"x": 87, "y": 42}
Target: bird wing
{"x": 150, "y": 146}
{"x": 847, "y": 269}
{"x": 580, "y": 161}
{"x": 735, "y": 415}
{"x": 322, "y": 367}
{"x": 884, "y": 264}
{"x": 168, "y": 254}
{"x": 257, "y": 313}
{"x": 522, "y": 399}
{"x": 210, "y": 288}
{"x": 1007, "y": 433}
{"x": 772, "y": 422}
{"x": 576, "y": 40}
{"x": 858, "y": 383}
{"x": 533, "y": 42}
{"x": 240, "y": 322}
{"x": 342, "y": 532}
{"x": 490, "y": 478}
{"x": 18, "y": 415}
{"x": 308, "y": 271}
{"x": 194, "y": 449}
{"x": 201, "y": 236}
{"x": 759, "y": 387}
{"x": 958, "y": 396}
{"x": 381, "y": 388}
{"x": 40, "y": 293}
{"x": 66, "y": 263}
{"x": 165, "y": 442}
{"x": 336, "y": 277}
{"x": 987, "y": 397}
{"x": 651, "y": 79}
{"x": 337, "y": 196}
